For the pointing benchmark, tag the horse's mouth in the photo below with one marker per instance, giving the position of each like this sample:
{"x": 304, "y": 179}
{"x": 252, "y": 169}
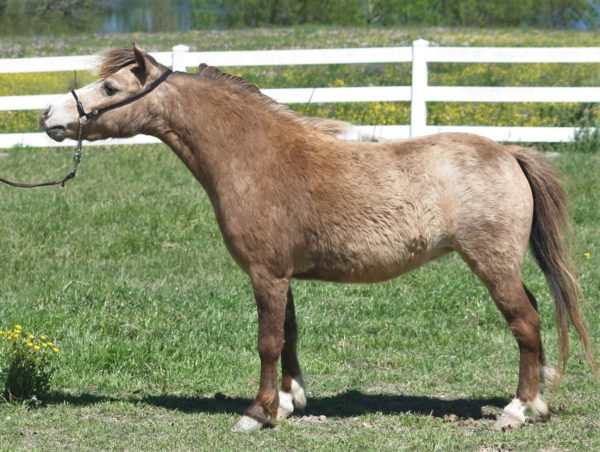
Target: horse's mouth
{"x": 57, "y": 133}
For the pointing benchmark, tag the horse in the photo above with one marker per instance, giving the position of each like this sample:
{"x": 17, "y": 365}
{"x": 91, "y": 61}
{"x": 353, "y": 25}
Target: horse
{"x": 294, "y": 200}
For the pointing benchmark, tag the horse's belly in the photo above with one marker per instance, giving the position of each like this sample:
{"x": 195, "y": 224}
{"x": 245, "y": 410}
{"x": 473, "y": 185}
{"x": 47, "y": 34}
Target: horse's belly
{"x": 364, "y": 264}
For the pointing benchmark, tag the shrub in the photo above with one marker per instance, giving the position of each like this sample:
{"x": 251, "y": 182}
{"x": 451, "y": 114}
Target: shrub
{"x": 26, "y": 364}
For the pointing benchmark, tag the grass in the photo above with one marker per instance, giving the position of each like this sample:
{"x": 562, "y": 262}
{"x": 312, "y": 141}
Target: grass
{"x": 157, "y": 326}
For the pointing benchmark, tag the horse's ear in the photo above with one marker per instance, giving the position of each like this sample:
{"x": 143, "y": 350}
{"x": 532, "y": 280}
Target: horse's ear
{"x": 140, "y": 59}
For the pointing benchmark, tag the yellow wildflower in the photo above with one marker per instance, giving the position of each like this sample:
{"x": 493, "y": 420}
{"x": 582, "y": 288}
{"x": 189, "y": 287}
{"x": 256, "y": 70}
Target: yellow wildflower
{"x": 18, "y": 327}
{"x": 55, "y": 350}
{"x": 587, "y": 255}
{"x": 29, "y": 344}
{"x": 36, "y": 347}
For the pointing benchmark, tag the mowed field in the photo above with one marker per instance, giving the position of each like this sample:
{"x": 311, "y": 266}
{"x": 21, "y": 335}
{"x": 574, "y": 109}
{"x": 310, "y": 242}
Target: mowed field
{"x": 157, "y": 326}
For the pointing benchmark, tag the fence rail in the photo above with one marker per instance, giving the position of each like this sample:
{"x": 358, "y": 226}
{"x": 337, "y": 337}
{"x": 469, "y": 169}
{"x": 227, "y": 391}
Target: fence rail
{"x": 418, "y": 94}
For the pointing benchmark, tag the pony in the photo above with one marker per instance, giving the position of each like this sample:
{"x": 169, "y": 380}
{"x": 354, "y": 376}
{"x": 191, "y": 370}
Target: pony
{"x": 293, "y": 200}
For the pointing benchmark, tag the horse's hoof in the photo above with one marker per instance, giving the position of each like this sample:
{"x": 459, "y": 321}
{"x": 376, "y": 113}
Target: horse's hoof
{"x": 286, "y": 406}
{"x": 508, "y": 422}
{"x": 247, "y": 424}
{"x": 512, "y": 417}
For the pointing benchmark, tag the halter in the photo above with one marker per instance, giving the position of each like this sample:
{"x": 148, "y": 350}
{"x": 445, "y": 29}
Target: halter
{"x": 93, "y": 114}
{"x": 98, "y": 111}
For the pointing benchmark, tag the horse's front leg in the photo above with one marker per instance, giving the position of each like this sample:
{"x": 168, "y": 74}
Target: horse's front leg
{"x": 271, "y": 296}
{"x": 293, "y": 390}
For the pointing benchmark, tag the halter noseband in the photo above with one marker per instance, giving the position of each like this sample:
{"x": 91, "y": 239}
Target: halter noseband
{"x": 98, "y": 111}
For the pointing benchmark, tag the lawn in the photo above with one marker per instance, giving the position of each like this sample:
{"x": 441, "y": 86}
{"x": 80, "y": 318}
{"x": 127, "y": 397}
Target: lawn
{"x": 125, "y": 266}
{"x": 157, "y": 326}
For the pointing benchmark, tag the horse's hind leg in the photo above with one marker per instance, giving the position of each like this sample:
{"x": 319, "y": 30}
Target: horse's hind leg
{"x": 293, "y": 390}
{"x": 512, "y": 299}
{"x": 547, "y": 373}
{"x": 498, "y": 264}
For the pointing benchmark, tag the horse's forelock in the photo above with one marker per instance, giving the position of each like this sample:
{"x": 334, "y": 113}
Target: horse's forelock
{"x": 113, "y": 60}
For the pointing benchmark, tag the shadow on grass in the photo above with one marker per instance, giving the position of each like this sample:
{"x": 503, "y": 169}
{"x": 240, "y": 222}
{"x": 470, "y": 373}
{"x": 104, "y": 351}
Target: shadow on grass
{"x": 347, "y": 404}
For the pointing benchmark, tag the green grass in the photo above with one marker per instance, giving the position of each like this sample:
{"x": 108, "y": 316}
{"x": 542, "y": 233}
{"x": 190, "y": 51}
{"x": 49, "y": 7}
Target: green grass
{"x": 157, "y": 325}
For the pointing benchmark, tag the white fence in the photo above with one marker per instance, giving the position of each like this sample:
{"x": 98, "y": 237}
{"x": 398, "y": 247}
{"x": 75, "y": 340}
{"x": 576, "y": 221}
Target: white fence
{"x": 420, "y": 54}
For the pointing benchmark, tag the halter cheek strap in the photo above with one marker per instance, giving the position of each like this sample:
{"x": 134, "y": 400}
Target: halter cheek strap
{"x": 81, "y": 110}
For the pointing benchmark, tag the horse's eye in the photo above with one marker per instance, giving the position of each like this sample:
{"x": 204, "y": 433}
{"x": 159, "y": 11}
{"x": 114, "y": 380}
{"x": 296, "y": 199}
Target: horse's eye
{"x": 110, "y": 89}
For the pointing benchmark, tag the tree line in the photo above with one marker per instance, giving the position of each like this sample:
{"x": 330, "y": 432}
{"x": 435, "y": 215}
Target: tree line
{"x": 477, "y": 13}
{"x": 63, "y": 16}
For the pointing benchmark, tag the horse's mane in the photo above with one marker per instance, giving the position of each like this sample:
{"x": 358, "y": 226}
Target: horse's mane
{"x": 327, "y": 126}
{"x": 115, "y": 59}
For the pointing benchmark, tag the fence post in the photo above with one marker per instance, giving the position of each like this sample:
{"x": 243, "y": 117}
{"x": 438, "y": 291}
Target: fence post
{"x": 418, "y": 105}
{"x": 178, "y": 55}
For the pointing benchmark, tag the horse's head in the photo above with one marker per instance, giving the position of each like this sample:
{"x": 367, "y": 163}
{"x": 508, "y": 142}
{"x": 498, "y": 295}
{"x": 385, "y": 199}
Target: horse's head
{"x": 114, "y": 106}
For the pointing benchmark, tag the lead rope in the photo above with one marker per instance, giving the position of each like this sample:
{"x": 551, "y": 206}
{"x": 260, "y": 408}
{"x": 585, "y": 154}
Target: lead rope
{"x": 72, "y": 173}
{"x": 88, "y": 117}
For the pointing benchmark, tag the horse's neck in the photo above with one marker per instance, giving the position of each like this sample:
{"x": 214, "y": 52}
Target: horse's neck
{"x": 220, "y": 137}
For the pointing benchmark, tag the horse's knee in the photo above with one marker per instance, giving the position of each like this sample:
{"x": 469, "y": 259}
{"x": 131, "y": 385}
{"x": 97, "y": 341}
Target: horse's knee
{"x": 269, "y": 346}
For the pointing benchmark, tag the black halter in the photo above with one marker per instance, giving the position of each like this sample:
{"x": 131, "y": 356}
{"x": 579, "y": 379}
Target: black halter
{"x": 98, "y": 111}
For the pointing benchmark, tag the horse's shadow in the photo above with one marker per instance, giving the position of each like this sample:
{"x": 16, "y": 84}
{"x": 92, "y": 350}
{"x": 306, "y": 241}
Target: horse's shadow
{"x": 348, "y": 404}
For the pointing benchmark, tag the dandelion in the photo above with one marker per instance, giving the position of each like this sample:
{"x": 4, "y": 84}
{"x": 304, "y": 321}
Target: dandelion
{"x": 29, "y": 344}
{"x": 587, "y": 255}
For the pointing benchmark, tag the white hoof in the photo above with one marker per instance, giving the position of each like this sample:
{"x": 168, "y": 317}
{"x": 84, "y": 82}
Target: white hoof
{"x": 512, "y": 417}
{"x": 299, "y": 392}
{"x": 286, "y": 407}
{"x": 247, "y": 424}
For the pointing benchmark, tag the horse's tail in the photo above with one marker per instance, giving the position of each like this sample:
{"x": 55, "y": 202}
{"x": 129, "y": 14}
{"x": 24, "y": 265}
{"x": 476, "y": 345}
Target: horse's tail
{"x": 548, "y": 244}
